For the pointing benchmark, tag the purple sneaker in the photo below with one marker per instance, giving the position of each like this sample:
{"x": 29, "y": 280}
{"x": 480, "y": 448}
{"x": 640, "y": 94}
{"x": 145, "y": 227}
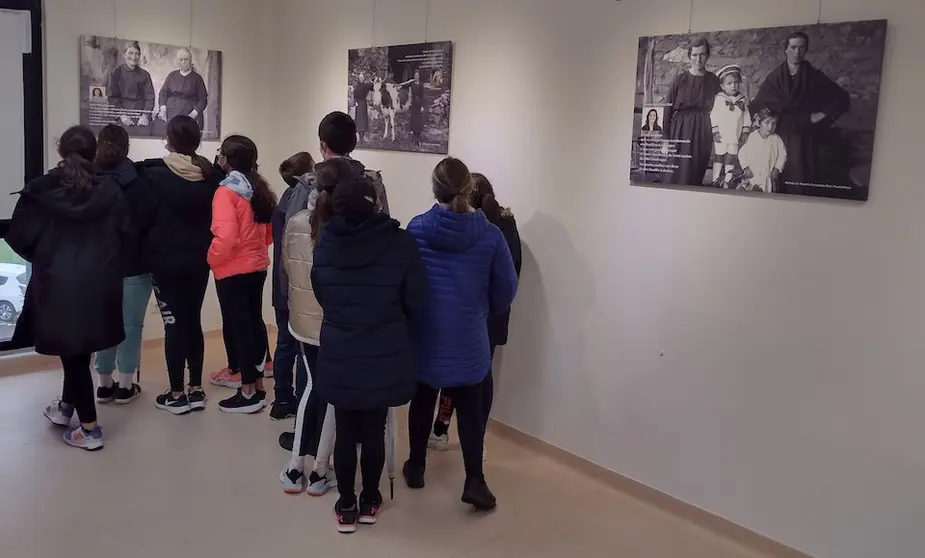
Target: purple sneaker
{"x": 89, "y": 440}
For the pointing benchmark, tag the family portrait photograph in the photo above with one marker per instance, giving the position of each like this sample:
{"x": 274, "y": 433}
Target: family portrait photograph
{"x": 782, "y": 110}
{"x": 399, "y": 96}
{"x": 141, "y": 86}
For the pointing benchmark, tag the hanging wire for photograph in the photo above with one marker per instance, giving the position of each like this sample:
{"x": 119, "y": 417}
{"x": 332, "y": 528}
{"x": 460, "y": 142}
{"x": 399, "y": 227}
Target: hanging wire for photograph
{"x": 426, "y": 18}
{"x": 191, "y": 23}
{"x": 819, "y": 19}
{"x": 373, "y": 41}
{"x": 690, "y": 17}
{"x": 115, "y": 19}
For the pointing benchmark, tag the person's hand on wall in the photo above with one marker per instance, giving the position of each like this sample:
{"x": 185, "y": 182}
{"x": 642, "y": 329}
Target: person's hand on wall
{"x": 143, "y": 120}
{"x": 162, "y": 114}
{"x": 817, "y": 117}
{"x": 125, "y": 120}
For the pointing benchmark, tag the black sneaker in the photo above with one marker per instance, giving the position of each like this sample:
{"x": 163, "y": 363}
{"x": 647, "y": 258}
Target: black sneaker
{"x": 281, "y": 410}
{"x": 239, "y": 404}
{"x": 197, "y": 399}
{"x": 262, "y": 394}
{"x": 369, "y": 508}
{"x": 124, "y": 396}
{"x": 346, "y": 518}
{"x": 173, "y": 405}
{"x": 477, "y": 494}
{"x": 414, "y": 476}
{"x": 106, "y": 394}
{"x": 287, "y": 440}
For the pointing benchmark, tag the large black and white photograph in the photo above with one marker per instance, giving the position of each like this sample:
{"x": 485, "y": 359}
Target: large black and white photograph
{"x": 781, "y": 110}
{"x": 142, "y": 85}
{"x": 400, "y": 96}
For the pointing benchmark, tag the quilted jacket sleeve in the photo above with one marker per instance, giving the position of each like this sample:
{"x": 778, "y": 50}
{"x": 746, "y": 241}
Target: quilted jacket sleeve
{"x": 503, "y": 282}
{"x": 224, "y": 227}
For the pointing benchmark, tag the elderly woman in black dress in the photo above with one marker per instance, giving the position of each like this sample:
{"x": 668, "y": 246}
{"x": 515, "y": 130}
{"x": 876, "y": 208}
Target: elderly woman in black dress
{"x": 417, "y": 106}
{"x": 131, "y": 92}
{"x": 688, "y": 117}
{"x": 184, "y": 91}
{"x": 361, "y": 91}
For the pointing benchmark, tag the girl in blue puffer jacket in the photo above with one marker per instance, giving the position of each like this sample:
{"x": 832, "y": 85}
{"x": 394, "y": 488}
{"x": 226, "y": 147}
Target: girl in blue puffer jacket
{"x": 471, "y": 276}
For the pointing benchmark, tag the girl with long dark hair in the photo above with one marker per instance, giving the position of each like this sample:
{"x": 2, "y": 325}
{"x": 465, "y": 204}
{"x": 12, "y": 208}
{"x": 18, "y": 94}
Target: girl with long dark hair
{"x": 242, "y": 210}
{"x": 72, "y": 226}
{"x": 174, "y": 250}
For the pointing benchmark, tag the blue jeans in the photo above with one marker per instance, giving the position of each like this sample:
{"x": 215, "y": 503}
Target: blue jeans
{"x": 136, "y": 291}
{"x": 285, "y": 357}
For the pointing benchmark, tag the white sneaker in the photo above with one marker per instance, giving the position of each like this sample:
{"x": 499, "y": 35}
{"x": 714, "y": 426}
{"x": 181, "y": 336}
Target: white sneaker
{"x": 57, "y": 416}
{"x": 439, "y": 443}
{"x": 320, "y": 485}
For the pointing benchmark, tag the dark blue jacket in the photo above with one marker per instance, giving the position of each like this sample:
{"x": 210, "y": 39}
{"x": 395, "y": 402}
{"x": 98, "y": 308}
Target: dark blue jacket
{"x": 140, "y": 200}
{"x": 279, "y": 283}
{"x": 471, "y": 276}
{"x": 370, "y": 281}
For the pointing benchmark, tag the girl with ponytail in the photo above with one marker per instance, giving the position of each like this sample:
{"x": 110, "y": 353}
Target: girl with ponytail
{"x": 471, "y": 275}
{"x": 72, "y": 227}
{"x": 241, "y": 213}
{"x": 483, "y": 198}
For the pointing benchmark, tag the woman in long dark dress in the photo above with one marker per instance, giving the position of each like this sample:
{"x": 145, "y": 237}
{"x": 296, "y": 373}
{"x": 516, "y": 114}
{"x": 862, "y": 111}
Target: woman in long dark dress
{"x": 417, "y": 106}
{"x": 361, "y": 91}
{"x": 184, "y": 92}
{"x": 131, "y": 93}
{"x": 688, "y": 118}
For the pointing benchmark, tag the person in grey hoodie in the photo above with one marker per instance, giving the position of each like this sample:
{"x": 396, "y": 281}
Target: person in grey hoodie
{"x": 112, "y": 161}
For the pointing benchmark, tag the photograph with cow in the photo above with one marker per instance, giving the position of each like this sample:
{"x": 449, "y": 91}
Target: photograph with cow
{"x": 399, "y": 96}
{"x": 779, "y": 110}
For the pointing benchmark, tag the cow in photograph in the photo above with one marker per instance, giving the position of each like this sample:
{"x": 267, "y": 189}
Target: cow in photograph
{"x": 390, "y": 99}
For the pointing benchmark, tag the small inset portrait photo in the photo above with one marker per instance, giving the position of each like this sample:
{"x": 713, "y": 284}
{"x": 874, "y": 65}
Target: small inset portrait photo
{"x": 97, "y": 93}
{"x": 652, "y": 119}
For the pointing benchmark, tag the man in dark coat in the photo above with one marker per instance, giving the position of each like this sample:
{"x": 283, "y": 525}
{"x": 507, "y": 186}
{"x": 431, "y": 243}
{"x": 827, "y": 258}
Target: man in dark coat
{"x": 807, "y": 102}
{"x": 369, "y": 279}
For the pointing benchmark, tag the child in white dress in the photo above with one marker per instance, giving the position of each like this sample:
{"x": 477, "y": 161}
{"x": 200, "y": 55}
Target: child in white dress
{"x": 763, "y": 156}
{"x": 731, "y": 123}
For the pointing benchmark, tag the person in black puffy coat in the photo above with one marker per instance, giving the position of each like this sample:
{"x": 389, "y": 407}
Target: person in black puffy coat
{"x": 369, "y": 279}
{"x": 74, "y": 228}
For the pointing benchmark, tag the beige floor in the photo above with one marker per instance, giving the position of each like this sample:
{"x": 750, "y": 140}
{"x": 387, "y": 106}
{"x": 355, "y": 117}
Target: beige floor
{"x": 206, "y": 486}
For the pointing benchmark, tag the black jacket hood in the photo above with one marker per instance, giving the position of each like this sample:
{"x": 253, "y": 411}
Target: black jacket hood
{"x": 354, "y": 245}
{"x": 124, "y": 173}
{"x": 183, "y": 196}
{"x": 88, "y": 205}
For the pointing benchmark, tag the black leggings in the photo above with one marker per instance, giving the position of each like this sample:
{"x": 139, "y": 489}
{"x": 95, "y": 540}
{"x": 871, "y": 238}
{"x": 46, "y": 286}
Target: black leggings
{"x": 179, "y": 297}
{"x": 470, "y": 424}
{"x": 241, "y": 299}
{"x": 231, "y": 350}
{"x": 78, "y": 386}
{"x": 312, "y": 408}
{"x": 445, "y": 413}
{"x": 368, "y": 429}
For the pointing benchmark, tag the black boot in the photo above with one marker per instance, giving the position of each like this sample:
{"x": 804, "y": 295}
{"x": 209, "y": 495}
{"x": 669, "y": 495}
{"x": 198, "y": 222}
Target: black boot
{"x": 286, "y": 440}
{"x": 414, "y": 476}
{"x": 477, "y": 494}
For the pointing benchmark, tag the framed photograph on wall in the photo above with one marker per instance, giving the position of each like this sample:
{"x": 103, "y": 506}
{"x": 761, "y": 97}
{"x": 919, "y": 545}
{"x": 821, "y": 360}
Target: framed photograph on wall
{"x": 400, "y": 96}
{"x": 142, "y": 85}
{"x": 783, "y": 110}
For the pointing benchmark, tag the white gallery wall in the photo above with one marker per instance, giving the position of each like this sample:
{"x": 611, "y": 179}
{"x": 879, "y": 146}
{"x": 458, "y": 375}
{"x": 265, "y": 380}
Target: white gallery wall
{"x": 760, "y": 358}
{"x": 236, "y": 27}
{"x": 763, "y": 359}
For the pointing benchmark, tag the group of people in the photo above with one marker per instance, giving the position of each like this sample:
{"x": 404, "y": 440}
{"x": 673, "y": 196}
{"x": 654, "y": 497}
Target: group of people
{"x": 376, "y": 315}
{"x": 770, "y": 143}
